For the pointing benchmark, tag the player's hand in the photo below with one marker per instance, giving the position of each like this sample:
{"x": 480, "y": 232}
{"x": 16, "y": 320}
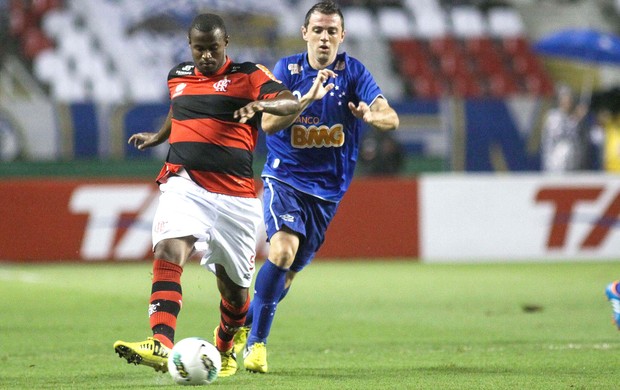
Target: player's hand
{"x": 319, "y": 89}
{"x": 143, "y": 140}
{"x": 246, "y": 113}
{"x": 362, "y": 111}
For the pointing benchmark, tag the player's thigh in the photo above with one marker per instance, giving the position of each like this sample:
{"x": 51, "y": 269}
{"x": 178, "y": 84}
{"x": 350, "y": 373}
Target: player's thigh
{"x": 232, "y": 242}
{"x": 184, "y": 210}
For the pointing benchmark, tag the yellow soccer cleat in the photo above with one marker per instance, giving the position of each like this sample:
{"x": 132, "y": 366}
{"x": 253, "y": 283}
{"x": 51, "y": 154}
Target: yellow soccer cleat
{"x": 150, "y": 353}
{"x": 240, "y": 339}
{"x": 229, "y": 364}
{"x": 255, "y": 358}
{"x": 229, "y": 359}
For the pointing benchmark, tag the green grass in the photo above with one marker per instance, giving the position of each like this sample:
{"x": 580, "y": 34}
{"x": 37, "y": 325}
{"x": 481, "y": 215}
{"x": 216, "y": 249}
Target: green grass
{"x": 349, "y": 325}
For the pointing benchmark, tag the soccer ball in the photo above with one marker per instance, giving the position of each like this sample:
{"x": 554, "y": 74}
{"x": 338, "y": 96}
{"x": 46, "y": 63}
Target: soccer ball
{"x": 194, "y": 361}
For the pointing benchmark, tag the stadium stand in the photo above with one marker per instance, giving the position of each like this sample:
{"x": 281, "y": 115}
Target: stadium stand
{"x": 111, "y": 51}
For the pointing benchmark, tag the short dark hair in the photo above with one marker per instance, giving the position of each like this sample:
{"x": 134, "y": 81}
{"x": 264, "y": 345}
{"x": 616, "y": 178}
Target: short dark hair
{"x": 206, "y": 23}
{"x": 326, "y": 7}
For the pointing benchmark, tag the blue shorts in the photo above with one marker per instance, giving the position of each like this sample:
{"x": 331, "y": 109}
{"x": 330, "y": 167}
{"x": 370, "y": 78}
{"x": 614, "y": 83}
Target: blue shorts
{"x": 302, "y": 213}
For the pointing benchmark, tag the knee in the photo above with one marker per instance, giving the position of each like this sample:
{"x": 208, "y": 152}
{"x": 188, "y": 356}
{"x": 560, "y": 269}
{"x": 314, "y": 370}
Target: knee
{"x": 165, "y": 252}
{"x": 282, "y": 256}
{"x": 175, "y": 250}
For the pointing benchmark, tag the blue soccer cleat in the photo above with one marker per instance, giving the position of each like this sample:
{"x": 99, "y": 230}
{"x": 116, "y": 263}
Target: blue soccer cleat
{"x": 613, "y": 297}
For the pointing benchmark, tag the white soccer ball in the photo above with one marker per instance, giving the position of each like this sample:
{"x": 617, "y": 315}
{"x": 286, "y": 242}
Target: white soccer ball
{"x": 194, "y": 361}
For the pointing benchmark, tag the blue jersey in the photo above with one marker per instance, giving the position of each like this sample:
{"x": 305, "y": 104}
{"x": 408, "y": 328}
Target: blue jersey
{"x": 317, "y": 154}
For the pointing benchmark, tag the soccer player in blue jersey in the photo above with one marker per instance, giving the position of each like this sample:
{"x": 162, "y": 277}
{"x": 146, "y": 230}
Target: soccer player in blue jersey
{"x": 310, "y": 164}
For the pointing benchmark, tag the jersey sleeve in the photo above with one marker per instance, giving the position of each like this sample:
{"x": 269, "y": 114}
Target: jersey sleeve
{"x": 269, "y": 85}
{"x": 280, "y": 71}
{"x": 366, "y": 89}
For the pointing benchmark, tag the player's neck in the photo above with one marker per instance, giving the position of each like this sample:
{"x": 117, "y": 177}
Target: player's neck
{"x": 318, "y": 65}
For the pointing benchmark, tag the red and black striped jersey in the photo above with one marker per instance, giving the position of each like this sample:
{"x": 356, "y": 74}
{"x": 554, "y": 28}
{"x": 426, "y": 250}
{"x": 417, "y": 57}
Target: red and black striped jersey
{"x": 213, "y": 147}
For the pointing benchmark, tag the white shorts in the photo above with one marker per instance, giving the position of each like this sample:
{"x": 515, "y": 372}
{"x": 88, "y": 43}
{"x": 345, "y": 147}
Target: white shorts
{"x": 226, "y": 226}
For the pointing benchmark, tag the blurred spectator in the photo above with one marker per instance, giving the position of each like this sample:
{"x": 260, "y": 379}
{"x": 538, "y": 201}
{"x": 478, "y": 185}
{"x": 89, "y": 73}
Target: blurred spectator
{"x": 563, "y": 148}
{"x": 610, "y": 124}
{"x": 605, "y": 133}
{"x": 381, "y": 154}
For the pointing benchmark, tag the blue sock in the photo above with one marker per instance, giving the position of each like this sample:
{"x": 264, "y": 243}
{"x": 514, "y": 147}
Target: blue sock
{"x": 268, "y": 290}
{"x": 250, "y": 317}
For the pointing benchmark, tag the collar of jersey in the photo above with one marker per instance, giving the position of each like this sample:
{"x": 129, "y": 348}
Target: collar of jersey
{"x": 223, "y": 70}
{"x": 310, "y": 70}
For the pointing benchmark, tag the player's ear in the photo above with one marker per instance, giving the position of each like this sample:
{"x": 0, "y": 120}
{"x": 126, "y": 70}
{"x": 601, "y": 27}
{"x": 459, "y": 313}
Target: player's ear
{"x": 304, "y": 33}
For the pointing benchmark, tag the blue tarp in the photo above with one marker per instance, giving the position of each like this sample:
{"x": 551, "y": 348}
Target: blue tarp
{"x": 586, "y": 45}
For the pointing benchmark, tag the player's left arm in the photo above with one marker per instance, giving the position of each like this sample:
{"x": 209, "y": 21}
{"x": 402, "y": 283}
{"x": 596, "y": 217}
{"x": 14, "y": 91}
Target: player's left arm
{"x": 379, "y": 115}
{"x": 284, "y": 104}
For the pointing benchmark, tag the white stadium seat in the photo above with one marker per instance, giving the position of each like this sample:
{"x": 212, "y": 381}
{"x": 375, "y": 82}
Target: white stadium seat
{"x": 394, "y": 22}
{"x": 505, "y": 22}
{"x": 362, "y": 21}
{"x": 468, "y": 21}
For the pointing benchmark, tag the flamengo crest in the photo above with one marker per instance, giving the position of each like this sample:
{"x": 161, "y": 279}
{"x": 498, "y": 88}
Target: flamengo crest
{"x": 221, "y": 85}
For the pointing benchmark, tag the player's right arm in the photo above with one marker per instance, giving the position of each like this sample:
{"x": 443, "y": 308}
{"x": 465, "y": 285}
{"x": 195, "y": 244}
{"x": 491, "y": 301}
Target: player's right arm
{"x": 147, "y": 140}
{"x": 318, "y": 90}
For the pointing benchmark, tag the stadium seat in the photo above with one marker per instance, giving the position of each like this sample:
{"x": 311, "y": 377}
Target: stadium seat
{"x": 427, "y": 87}
{"x": 68, "y": 89}
{"x": 505, "y": 22}
{"x": 489, "y": 62}
{"x": 39, "y": 8}
{"x": 429, "y": 17}
{"x": 34, "y": 41}
{"x": 19, "y": 19}
{"x": 524, "y": 64}
{"x": 467, "y": 21}
{"x": 515, "y": 45}
{"x": 477, "y": 45}
{"x": 413, "y": 65}
{"x": 74, "y": 41}
{"x": 46, "y": 65}
{"x": 291, "y": 25}
{"x": 362, "y": 19}
{"x": 108, "y": 88}
{"x": 453, "y": 64}
{"x": 56, "y": 21}
{"x": 142, "y": 88}
{"x": 406, "y": 46}
{"x": 502, "y": 85}
{"x": 539, "y": 84}
{"x": 440, "y": 45}
{"x": 394, "y": 22}
{"x": 467, "y": 86}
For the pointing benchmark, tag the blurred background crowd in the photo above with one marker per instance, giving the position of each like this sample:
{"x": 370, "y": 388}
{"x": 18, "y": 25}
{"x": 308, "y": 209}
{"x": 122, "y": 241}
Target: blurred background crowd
{"x": 537, "y": 81}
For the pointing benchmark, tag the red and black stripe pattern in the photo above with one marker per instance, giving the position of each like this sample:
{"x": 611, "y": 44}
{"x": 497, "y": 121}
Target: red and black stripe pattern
{"x": 166, "y": 300}
{"x": 215, "y": 149}
{"x": 231, "y": 319}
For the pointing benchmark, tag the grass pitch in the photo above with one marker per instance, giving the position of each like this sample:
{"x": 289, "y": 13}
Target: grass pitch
{"x": 344, "y": 325}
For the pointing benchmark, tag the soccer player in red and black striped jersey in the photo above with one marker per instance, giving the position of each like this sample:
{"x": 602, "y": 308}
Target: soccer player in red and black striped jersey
{"x": 208, "y": 200}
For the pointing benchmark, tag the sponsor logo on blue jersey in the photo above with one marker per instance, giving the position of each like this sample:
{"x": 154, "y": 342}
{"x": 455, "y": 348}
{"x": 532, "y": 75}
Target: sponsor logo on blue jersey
{"x": 317, "y": 136}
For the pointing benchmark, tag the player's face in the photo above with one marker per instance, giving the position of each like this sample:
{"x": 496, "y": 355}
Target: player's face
{"x": 323, "y": 35}
{"x": 208, "y": 49}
